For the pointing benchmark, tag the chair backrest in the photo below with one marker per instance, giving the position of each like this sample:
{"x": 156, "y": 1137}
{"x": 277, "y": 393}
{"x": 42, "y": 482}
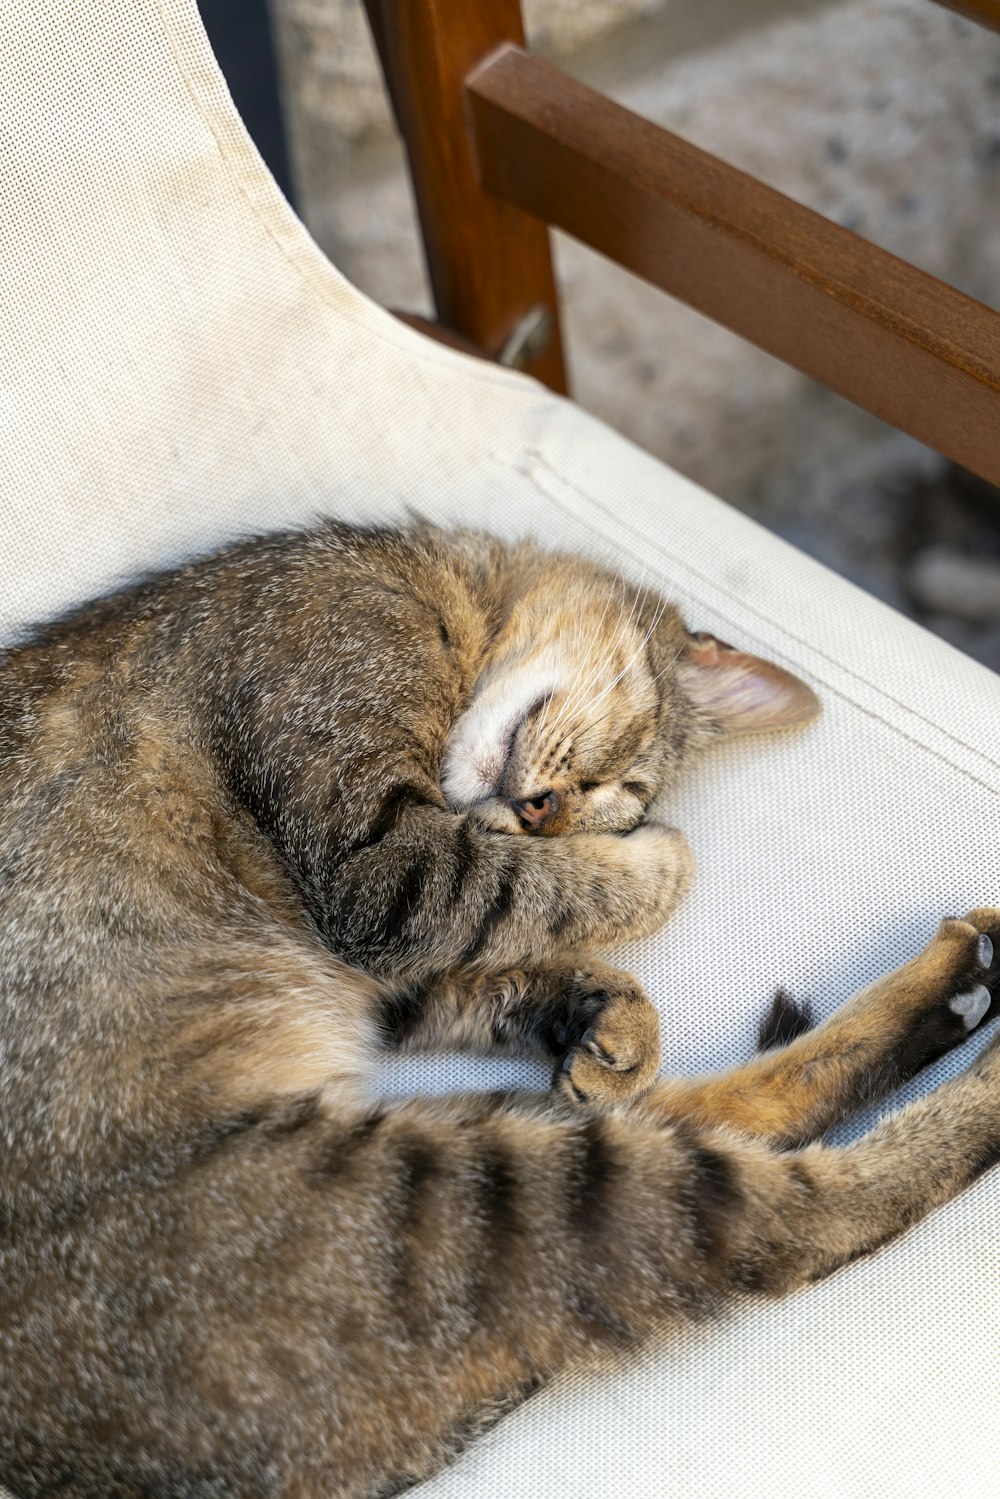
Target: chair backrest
{"x": 179, "y": 363}
{"x": 501, "y": 143}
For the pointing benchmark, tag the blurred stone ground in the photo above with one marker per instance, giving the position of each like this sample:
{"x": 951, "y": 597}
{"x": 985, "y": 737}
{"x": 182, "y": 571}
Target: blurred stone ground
{"x": 882, "y": 114}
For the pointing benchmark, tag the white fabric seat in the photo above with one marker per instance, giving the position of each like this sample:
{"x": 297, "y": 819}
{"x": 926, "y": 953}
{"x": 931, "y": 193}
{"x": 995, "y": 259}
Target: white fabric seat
{"x": 179, "y": 365}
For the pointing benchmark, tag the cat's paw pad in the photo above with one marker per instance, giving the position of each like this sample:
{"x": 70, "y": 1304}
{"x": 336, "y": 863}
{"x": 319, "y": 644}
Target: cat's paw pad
{"x": 948, "y": 991}
{"x": 612, "y": 1043}
{"x": 968, "y": 952}
{"x": 971, "y": 1007}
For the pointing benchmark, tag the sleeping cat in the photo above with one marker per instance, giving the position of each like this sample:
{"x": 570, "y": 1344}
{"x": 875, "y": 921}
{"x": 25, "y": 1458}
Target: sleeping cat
{"x": 340, "y": 789}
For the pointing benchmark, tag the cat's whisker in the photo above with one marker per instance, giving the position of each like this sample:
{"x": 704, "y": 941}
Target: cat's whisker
{"x": 660, "y": 610}
{"x": 670, "y": 664}
{"x": 578, "y": 694}
{"x": 597, "y": 723}
{"x": 619, "y": 631}
{"x": 579, "y": 642}
{"x": 579, "y": 685}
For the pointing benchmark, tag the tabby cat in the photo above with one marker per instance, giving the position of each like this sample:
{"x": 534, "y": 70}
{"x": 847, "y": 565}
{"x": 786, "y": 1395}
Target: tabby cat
{"x": 341, "y": 789}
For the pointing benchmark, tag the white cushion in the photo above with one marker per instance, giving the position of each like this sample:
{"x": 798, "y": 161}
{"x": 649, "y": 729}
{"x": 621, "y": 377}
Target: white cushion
{"x": 179, "y": 365}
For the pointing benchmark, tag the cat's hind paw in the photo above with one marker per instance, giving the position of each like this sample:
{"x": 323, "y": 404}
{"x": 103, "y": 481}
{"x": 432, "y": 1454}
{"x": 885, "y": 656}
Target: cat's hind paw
{"x": 612, "y": 1044}
{"x": 960, "y": 973}
{"x": 975, "y": 951}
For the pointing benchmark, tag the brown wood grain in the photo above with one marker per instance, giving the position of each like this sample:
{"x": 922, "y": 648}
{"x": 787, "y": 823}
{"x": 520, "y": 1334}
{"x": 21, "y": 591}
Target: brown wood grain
{"x": 440, "y": 335}
{"x": 488, "y": 261}
{"x": 986, "y": 12}
{"x": 908, "y": 348}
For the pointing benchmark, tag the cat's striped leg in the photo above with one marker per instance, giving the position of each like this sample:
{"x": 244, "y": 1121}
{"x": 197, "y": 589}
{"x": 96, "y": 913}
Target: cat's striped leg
{"x": 354, "y": 1291}
{"x": 876, "y": 1041}
{"x": 435, "y": 892}
{"x": 504, "y": 1237}
{"x": 591, "y": 1022}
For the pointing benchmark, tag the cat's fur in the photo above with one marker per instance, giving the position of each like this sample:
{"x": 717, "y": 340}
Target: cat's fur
{"x": 328, "y": 791}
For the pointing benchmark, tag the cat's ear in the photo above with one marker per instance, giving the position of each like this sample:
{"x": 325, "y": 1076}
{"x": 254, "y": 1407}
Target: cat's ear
{"x": 738, "y": 693}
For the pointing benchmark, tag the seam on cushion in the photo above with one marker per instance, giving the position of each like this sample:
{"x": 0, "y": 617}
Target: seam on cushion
{"x": 531, "y": 474}
{"x": 260, "y": 192}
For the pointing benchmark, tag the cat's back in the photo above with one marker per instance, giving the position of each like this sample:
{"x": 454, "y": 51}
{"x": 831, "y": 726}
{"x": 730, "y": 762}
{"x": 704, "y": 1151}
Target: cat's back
{"x": 378, "y": 604}
{"x": 137, "y": 733}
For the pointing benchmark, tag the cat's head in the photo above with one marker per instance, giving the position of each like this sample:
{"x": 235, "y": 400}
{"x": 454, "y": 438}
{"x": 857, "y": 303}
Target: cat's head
{"x": 590, "y": 701}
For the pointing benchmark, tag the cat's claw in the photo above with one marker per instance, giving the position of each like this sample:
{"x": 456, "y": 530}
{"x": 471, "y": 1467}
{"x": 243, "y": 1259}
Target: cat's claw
{"x": 984, "y": 950}
{"x": 972, "y": 1006}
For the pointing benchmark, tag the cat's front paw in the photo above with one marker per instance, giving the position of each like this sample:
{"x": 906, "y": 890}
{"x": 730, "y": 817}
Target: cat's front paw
{"x": 661, "y": 866}
{"x": 611, "y": 1036}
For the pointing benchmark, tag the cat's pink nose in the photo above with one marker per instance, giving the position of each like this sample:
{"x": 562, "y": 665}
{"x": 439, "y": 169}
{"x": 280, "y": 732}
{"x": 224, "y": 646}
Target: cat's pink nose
{"x": 535, "y": 810}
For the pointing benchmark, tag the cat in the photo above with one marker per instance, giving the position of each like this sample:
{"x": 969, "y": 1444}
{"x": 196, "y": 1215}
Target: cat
{"x": 340, "y": 789}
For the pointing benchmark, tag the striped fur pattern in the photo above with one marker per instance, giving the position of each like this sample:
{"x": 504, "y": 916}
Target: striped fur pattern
{"x": 336, "y": 790}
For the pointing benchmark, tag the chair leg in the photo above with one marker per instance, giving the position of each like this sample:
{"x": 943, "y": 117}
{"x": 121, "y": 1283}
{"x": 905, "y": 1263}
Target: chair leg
{"x": 489, "y": 263}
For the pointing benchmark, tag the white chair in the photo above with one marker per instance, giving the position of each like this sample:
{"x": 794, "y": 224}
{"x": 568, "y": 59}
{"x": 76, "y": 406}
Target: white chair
{"x": 179, "y": 365}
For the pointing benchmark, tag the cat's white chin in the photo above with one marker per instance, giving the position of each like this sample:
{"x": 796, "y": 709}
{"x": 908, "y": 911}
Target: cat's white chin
{"x": 478, "y": 748}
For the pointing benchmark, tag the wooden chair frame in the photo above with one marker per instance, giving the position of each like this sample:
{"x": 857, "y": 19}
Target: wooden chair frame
{"x": 502, "y": 144}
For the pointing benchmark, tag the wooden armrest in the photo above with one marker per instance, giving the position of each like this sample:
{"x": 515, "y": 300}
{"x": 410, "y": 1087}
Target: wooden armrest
{"x": 501, "y": 144}
{"x": 905, "y": 346}
{"x": 986, "y": 12}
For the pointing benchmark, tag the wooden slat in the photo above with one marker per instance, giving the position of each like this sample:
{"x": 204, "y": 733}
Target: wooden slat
{"x": 986, "y": 12}
{"x": 903, "y": 345}
{"x": 489, "y": 262}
